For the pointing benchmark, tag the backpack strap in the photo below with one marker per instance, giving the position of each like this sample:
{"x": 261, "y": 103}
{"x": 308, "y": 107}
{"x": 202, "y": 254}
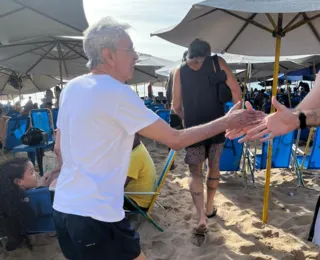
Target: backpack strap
{"x": 216, "y": 63}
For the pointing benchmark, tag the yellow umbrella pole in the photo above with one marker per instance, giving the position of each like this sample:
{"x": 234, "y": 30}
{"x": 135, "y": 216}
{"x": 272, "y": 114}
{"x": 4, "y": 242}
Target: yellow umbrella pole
{"x": 274, "y": 93}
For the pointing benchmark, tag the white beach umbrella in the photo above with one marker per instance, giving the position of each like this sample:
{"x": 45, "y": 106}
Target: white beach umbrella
{"x": 12, "y": 83}
{"x": 24, "y": 19}
{"x": 63, "y": 56}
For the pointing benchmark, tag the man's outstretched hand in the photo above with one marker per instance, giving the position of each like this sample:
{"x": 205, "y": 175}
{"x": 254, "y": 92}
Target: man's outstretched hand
{"x": 234, "y": 132}
{"x": 279, "y": 123}
{"x": 239, "y": 119}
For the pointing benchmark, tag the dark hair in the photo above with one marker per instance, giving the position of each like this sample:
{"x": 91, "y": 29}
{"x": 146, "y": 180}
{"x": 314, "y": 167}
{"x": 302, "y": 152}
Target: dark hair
{"x": 57, "y": 88}
{"x": 14, "y": 211}
{"x": 184, "y": 56}
{"x": 199, "y": 48}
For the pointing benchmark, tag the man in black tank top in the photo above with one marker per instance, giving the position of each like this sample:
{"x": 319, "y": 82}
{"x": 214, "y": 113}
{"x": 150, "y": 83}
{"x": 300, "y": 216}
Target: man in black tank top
{"x": 196, "y": 101}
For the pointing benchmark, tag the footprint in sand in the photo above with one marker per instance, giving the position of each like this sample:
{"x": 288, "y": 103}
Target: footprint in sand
{"x": 259, "y": 225}
{"x": 248, "y": 249}
{"x": 269, "y": 234}
{"x": 187, "y": 217}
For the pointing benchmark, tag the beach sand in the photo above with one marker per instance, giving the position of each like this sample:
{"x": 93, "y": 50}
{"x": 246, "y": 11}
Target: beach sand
{"x": 237, "y": 231}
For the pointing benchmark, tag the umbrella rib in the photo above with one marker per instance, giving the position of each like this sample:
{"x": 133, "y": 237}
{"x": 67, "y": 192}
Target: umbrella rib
{"x": 298, "y": 24}
{"x": 240, "y": 31}
{"x": 80, "y": 54}
{"x": 22, "y": 44}
{"x": 40, "y": 59}
{"x": 61, "y": 59}
{"x": 209, "y": 12}
{"x": 47, "y": 16}
{"x": 144, "y": 72}
{"x": 313, "y": 29}
{"x": 75, "y": 45}
{"x": 12, "y": 12}
{"x": 271, "y": 21}
{"x": 292, "y": 21}
{"x": 22, "y": 53}
{"x": 33, "y": 82}
{"x": 249, "y": 21}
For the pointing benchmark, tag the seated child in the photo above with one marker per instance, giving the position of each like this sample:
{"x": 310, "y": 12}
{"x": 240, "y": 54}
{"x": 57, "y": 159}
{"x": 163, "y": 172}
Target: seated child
{"x": 16, "y": 176}
{"x": 141, "y": 175}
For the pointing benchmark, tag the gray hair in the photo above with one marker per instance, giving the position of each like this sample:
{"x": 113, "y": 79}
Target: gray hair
{"x": 106, "y": 33}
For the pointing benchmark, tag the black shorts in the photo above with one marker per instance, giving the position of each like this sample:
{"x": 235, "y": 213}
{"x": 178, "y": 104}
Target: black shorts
{"x": 84, "y": 238}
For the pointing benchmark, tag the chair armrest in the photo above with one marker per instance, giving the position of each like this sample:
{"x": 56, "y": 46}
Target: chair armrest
{"x": 140, "y": 193}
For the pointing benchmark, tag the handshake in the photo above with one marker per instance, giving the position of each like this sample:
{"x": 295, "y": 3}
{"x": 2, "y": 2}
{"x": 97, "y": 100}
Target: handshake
{"x": 250, "y": 124}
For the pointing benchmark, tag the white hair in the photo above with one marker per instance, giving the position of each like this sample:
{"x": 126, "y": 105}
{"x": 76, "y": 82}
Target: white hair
{"x": 105, "y": 33}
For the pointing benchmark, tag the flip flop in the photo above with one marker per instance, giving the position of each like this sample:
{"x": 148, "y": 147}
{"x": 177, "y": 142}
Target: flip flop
{"x": 214, "y": 213}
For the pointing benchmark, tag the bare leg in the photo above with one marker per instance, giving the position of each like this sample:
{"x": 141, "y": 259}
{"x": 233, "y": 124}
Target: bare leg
{"x": 196, "y": 190}
{"x": 213, "y": 176}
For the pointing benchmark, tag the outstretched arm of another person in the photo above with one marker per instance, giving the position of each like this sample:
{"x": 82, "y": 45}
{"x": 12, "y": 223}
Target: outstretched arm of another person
{"x": 178, "y": 139}
{"x": 312, "y": 101}
{"x": 231, "y": 81}
{"x": 282, "y": 122}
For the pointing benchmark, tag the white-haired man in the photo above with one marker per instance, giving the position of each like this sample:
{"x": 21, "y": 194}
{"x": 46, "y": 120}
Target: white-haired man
{"x": 95, "y": 142}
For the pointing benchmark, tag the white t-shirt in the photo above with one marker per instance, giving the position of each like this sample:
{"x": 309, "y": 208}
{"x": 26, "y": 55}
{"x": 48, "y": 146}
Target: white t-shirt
{"x": 98, "y": 118}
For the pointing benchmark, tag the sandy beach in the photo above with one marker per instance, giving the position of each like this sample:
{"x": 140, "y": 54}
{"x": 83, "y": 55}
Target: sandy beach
{"x": 236, "y": 233}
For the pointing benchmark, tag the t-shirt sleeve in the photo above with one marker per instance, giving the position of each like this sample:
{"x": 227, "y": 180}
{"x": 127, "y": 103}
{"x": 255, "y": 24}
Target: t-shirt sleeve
{"x": 131, "y": 113}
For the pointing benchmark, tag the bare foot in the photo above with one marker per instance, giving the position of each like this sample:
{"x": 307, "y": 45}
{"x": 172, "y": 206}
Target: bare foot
{"x": 202, "y": 226}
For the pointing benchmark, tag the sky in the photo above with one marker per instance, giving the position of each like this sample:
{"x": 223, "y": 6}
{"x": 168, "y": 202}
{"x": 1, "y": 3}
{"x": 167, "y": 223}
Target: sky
{"x": 145, "y": 17}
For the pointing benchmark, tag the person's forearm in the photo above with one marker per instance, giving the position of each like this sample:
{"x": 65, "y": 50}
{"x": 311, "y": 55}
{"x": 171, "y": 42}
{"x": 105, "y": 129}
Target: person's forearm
{"x": 236, "y": 96}
{"x": 312, "y": 117}
{"x": 196, "y": 134}
{"x": 179, "y": 112}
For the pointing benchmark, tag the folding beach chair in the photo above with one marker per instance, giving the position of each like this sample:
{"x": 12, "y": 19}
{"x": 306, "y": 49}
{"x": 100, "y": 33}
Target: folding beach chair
{"x": 156, "y": 107}
{"x": 40, "y": 200}
{"x": 311, "y": 161}
{"x": 55, "y": 112}
{"x": 164, "y": 114}
{"x": 231, "y": 155}
{"x": 40, "y": 118}
{"x": 281, "y": 154}
{"x": 17, "y": 126}
{"x": 162, "y": 178}
{"x": 4, "y": 120}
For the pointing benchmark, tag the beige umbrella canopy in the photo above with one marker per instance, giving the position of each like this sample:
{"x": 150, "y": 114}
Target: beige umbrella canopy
{"x": 12, "y": 83}
{"x": 23, "y": 19}
{"x": 63, "y": 57}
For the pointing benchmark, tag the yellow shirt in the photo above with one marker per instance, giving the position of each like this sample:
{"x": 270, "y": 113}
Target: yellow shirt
{"x": 143, "y": 174}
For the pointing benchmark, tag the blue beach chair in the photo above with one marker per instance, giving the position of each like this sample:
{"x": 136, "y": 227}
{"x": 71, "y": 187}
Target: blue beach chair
{"x": 17, "y": 126}
{"x": 55, "y": 112}
{"x": 281, "y": 154}
{"x": 40, "y": 200}
{"x": 40, "y": 118}
{"x": 164, "y": 114}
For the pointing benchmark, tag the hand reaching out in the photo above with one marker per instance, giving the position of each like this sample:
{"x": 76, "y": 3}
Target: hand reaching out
{"x": 239, "y": 119}
{"x": 235, "y": 132}
{"x": 279, "y": 123}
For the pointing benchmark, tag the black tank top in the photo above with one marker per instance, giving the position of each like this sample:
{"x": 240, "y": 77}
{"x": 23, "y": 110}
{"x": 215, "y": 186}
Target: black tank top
{"x": 200, "y": 98}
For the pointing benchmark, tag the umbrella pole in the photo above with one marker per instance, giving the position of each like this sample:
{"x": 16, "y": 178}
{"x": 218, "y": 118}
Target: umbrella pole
{"x": 274, "y": 93}
{"x": 288, "y": 92}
